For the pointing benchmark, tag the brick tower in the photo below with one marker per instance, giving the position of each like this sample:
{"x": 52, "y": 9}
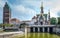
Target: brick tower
{"x": 6, "y": 14}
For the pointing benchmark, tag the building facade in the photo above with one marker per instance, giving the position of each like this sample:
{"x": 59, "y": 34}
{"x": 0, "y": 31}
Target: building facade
{"x": 42, "y": 19}
{"x": 15, "y": 21}
{"x": 6, "y": 14}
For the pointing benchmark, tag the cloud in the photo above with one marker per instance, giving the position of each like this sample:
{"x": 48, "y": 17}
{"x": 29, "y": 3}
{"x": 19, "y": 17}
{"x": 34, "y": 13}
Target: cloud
{"x": 24, "y": 12}
{"x": 26, "y": 9}
{"x": 58, "y": 13}
{"x": 53, "y": 5}
{"x": 2, "y": 2}
{"x": 23, "y": 9}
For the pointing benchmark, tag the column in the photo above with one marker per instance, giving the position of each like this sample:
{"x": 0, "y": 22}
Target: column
{"x": 25, "y": 32}
{"x": 48, "y": 29}
{"x": 38, "y": 32}
{"x": 38, "y": 29}
{"x": 33, "y": 29}
{"x": 29, "y": 31}
{"x": 43, "y": 29}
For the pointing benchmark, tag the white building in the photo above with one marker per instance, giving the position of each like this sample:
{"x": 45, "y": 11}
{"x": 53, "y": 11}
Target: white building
{"x": 42, "y": 19}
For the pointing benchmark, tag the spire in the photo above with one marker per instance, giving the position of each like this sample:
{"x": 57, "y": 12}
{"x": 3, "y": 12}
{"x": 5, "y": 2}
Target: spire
{"x": 42, "y": 7}
{"x": 49, "y": 17}
{"x": 6, "y": 5}
{"x": 49, "y": 13}
{"x": 41, "y": 4}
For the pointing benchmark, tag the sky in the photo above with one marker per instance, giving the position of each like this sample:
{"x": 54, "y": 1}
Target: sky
{"x": 26, "y": 9}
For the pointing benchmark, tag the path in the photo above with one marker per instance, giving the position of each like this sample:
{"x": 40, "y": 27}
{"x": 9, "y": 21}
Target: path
{"x": 8, "y": 34}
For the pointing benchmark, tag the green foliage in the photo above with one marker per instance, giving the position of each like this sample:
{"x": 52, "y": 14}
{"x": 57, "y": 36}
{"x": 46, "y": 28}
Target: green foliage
{"x": 1, "y": 25}
{"x": 59, "y": 20}
{"x": 53, "y": 20}
{"x": 8, "y": 25}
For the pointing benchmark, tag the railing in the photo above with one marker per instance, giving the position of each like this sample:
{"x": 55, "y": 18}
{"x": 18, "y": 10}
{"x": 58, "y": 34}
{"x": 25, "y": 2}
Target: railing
{"x": 41, "y": 25}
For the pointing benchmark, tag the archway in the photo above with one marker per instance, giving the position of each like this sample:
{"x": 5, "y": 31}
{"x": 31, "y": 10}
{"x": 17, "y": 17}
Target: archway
{"x": 36, "y": 29}
{"x": 41, "y": 23}
{"x": 41, "y": 29}
{"x": 31, "y": 29}
{"x": 45, "y": 29}
{"x": 51, "y": 30}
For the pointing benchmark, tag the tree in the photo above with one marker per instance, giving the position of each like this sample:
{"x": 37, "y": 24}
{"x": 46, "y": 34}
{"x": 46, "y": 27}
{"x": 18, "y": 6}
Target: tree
{"x": 1, "y": 25}
{"x": 59, "y": 20}
{"x": 8, "y": 25}
{"x": 5, "y": 25}
{"x": 53, "y": 21}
